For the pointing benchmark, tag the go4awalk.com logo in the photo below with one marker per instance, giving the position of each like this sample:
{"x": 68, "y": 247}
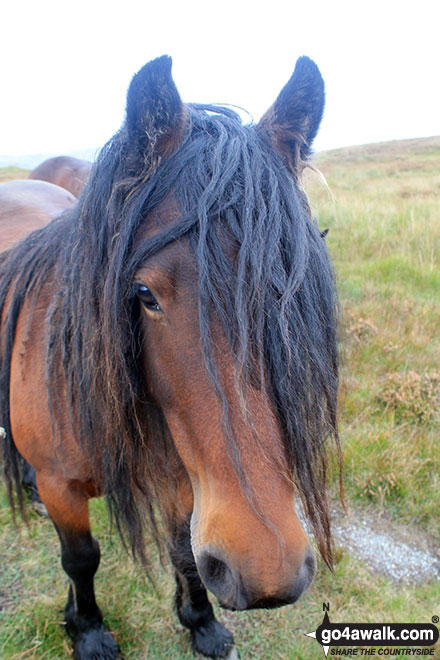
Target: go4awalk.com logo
{"x": 374, "y": 639}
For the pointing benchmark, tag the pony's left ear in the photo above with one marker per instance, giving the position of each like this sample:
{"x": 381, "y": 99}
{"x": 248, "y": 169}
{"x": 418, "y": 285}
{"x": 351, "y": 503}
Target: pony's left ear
{"x": 292, "y": 122}
{"x": 155, "y": 112}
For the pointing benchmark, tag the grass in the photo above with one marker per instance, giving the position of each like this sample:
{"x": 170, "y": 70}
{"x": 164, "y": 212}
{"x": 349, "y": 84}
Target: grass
{"x": 142, "y": 619}
{"x": 10, "y": 173}
{"x": 385, "y": 241}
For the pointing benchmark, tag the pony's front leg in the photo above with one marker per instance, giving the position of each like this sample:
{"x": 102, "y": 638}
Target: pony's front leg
{"x": 68, "y": 508}
{"x": 194, "y": 610}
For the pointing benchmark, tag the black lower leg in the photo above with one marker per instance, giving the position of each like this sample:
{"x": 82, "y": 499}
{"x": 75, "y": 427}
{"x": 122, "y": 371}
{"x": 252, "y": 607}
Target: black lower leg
{"x": 29, "y": 483}
{"x": 194, "y": 610}
{"x": 80, "y": 559}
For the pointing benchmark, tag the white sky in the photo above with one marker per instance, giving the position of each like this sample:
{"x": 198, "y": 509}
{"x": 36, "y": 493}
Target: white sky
{"x": 65, "y": 67}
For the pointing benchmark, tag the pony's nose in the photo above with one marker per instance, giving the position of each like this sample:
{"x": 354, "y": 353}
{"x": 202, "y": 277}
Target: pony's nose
{"x": 234, "y": 592}
{"x": 225, "y": 583}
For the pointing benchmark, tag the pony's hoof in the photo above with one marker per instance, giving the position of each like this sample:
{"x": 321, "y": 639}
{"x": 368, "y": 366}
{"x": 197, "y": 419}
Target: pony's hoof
{"x": 214, "y": 641}
{"x": 96, "y": 643}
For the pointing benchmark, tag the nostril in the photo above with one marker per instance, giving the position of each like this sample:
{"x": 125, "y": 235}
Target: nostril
{"x": 305, "y": 576}
{"x": 310, "y": 564}
{"x": 215, "y": 569}
{"x": 222, "y": 581}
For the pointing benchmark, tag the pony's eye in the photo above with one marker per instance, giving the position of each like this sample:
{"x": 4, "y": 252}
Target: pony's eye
{"x": 147, "y": 299}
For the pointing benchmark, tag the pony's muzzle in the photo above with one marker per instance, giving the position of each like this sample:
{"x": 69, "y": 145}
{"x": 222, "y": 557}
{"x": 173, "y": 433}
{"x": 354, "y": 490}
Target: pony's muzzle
{"x": 235, "y": 591}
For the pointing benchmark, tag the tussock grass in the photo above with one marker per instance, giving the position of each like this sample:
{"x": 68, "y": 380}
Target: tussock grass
{"x": 384, "y": 221}
{"x": 411, "y": 396}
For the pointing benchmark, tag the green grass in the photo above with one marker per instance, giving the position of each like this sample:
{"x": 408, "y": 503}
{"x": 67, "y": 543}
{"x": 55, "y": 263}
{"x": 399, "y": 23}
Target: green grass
{"x": 385, "y": 242}
{"x": 9, "y": 173}
{"x": 142, "y": 619}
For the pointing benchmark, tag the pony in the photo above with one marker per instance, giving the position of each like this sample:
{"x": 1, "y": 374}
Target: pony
{"x": 170, "y": 343}
{"x": 25, "y": 206}
{"x": 65, "y": 171}
{"x": 28, "y": 205}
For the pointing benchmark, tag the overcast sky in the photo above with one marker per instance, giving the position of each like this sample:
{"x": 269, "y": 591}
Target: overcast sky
{"x": 65, "y": 67}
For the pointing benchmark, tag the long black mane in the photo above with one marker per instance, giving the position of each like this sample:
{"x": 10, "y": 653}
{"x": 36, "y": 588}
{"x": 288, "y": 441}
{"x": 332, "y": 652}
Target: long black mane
{"x": 275, "y": 300}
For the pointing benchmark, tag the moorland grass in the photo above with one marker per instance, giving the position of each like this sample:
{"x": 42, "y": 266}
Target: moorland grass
{"x": 10, "y": 173}
{"x": 384, "y": 219}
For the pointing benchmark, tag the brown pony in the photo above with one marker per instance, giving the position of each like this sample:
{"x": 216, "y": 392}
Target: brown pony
{"x": 171, "y": 344}
{"x": 65, "y": 171}
{"x": 28, "y": 205}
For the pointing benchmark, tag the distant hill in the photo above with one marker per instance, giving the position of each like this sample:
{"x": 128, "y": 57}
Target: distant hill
{"x": 29, "y": 161}
{"x": 395, "y": 148}
{"x": 378, "y": 151}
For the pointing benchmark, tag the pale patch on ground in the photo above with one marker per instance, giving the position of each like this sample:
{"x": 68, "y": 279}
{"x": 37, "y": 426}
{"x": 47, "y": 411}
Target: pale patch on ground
{"x": 403, "y": 553}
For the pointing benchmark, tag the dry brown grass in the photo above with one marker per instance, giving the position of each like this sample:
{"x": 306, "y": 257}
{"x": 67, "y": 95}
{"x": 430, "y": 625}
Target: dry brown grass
{"x": 412, "y": 397}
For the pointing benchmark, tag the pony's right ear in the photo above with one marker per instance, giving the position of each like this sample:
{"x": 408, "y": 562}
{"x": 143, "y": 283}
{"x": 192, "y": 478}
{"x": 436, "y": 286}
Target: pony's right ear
{"x": 292, "y": 122}
{"x": 155, "y": 116}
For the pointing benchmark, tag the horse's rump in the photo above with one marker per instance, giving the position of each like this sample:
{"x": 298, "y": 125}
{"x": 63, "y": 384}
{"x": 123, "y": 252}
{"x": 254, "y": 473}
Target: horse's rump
{"x": 29, "y": 205}
{"x": 64, "y": 171}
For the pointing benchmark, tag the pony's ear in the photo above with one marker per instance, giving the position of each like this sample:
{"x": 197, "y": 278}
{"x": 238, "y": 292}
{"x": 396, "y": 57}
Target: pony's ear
{"x": 155, "y": 112}
{"x": 292, "y": 122}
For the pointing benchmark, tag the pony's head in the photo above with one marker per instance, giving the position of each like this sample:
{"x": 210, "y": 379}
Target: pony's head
{"x": 215, "y": 329}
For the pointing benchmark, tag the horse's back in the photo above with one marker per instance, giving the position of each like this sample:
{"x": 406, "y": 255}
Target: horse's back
{"x": 26, "y": 205}
{"x": 65, "y": 171}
